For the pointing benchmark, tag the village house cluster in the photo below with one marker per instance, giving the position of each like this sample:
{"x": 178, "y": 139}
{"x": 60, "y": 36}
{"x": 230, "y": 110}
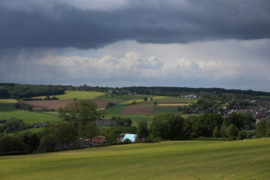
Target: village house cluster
{"x": 96, "y": 141}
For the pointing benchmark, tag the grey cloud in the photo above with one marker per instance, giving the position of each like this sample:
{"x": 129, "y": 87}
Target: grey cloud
{"x": 65, "y": 25}
{"x": 132, "y": 69}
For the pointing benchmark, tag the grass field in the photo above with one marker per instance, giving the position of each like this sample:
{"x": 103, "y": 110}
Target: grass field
{"x": 188, "y": 160}
{"x": 163, "y": 110}
{"x": 134, "y": 118}
{"x": 7, "y": 111}
{"x": 116, "y": 111}
{"x": 192, "y": 100}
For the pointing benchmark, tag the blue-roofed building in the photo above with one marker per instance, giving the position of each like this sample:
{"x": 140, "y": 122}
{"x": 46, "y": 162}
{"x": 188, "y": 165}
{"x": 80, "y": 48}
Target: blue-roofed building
{"x": 131, "y": 137}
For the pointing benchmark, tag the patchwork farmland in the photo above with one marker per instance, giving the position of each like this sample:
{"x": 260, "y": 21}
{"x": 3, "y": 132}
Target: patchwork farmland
{"x": 125, "y": 107}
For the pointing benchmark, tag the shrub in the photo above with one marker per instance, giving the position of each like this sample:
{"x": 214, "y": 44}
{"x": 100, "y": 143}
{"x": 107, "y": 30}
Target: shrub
{"x": 29, "y": 108}
{"x": 193, "y": 135}
{"x": 232, "y": 130}
{"x": 241, "y": 135}
{"x": 156, "y": 139}
{"x": 223, "y": 131}
{"x": 3, "y": 121}
{"x": 127, "y": 141}
{"x": 10, "y": 144}
{"x": 249, "y": 136}
{"x": 216, "y": 132}
{"x": 231, "y": 137}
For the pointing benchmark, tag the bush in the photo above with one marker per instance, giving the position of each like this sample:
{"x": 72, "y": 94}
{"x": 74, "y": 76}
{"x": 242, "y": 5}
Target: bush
{"x": 10, "y": 144}
{"x": 29, "y": 108}
{"x": 127, "y": 141}
{"x": 241, "y": 135}
{"x": 193, "y": 135}
{"x": 109, "y": 104}
{"x": 249, "y": 136}
{"x": 14, "y": 153}
{"x": 232, "y": 130}
{"x": 156, "y": 139}
{"x": 3, "y": 121}
{"x": 231, "y": 137}
{"x": 211, "y": 139}
{"x": 216, "y": 132}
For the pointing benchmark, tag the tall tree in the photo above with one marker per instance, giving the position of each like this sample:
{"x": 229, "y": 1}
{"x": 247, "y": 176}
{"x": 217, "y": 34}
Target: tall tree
{"x": 66, "y": 133}
{"x": 142, "y": 130}
{"x": 205, "y": 124}
{"x": 31, "y": 140}
{"x": 89, "y": 130}
{"x": 167, "y": 126}
{"x": 80, "y": 112}
{"x": 261, "y": 128}
{"x": 216, "y": 132}
{"x": 232, "y": 130}
{"x": 236, "y": 119}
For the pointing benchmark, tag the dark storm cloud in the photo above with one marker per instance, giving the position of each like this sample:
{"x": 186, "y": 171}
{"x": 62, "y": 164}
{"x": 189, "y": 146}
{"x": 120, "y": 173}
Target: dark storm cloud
{"x": 63, "y": 25}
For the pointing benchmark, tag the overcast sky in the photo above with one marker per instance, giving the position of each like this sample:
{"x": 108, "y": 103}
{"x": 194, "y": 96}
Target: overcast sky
{"x": 186, "y": 43}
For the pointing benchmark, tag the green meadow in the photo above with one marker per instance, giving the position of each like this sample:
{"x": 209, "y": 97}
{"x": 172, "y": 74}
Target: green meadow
{"x": 188, "y": 160}
{"x": 135, "y": 118}
{"x": 163, "y": 110}
{"x": 7, "y": 110}
{"x": 192, "y": 100}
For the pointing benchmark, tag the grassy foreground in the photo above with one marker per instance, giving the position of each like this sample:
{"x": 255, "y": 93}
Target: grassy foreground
{"x": 248, "y": 159}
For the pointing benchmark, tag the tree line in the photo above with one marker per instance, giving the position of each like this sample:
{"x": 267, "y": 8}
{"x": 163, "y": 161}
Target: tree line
{"x": 19, "y": 91}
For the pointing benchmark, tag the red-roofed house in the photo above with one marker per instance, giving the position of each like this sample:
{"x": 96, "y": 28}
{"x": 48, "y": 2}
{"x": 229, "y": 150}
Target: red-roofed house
{"x": 99, "y": 140}
{"x": 259, "y": 116}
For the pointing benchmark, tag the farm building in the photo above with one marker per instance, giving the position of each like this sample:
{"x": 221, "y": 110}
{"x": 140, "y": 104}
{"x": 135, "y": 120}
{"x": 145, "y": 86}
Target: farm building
{"x": 37, "y": 125}
{"x": 81, "y": 143}
{"x": 99, "y": 140}
{"x": 131, "y": 137}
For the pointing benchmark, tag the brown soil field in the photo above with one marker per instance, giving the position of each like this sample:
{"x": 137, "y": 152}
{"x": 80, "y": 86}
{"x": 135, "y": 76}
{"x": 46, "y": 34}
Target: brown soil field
{"x": 147, "y": 104}
{"x": 165, "y": 102}
{"x": 137, "y": 110}
{"x": 55, "y": 104}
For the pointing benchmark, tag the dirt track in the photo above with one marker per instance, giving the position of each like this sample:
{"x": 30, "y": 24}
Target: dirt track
{"x": 55, "y": 104}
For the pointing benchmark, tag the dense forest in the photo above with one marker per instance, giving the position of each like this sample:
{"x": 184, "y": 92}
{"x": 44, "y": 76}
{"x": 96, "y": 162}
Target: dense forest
{"x": 176, "y": 90}
{"x": 169, "y": 91}
{"x": 20, "y": 91}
